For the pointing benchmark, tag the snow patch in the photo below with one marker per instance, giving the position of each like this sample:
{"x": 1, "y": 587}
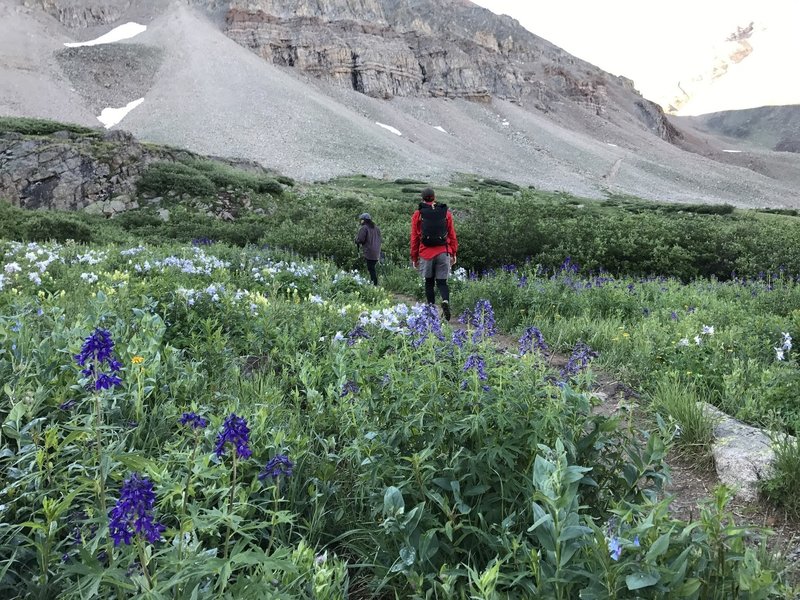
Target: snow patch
{"x": 389, "y": 127}
{"x": 111, "y": 116}
{"x": 732, "y": 151}
{"x": 612, "y": 145}
{"x": 123, "y": 32}
{"x": 440, "y": 128}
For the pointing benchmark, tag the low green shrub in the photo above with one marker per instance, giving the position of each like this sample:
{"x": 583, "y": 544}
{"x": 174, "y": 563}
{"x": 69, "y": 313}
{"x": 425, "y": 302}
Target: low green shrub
{"x": 28, "y": 126}
{"x": 783, "y": 486}
{"x": 161, "y": 178}
{"x": 58, "y": 227}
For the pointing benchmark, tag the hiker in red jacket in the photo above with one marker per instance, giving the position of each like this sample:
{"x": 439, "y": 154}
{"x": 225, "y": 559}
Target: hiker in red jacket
{"x": 433, "y": 247}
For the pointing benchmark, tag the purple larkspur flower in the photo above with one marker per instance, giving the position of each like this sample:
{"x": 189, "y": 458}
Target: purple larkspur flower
{"x": 482, "y": 319}
{"x": 277, "y": 466}
{"x": 96, "y": 354}
{"x": 578, "y": 361}
{"x": 193, "y": 420}
{"x": 476, "y": 362}
{"x": 423, "y": 322}
{"x": 68, "y": 404}
{"x": 133, "y": 513}
{"x": 358, "y": 332}
{"x": 532, "y": 340}
{"x": 350, "y": 387}
{"x": 459, "y": 338}
{"x": 234, "y": 432}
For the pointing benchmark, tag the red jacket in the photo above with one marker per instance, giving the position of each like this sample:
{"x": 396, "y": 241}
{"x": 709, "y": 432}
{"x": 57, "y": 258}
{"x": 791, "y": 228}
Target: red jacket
{"x": 420, "y": 250}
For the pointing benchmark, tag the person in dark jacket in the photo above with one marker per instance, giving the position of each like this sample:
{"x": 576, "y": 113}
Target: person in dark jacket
{"x": 369, "y": 240}
{"x": 433, "y": 247}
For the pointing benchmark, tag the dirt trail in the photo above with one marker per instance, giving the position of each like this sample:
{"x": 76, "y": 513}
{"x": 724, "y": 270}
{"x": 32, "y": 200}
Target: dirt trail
{"x": 692, "y": 481}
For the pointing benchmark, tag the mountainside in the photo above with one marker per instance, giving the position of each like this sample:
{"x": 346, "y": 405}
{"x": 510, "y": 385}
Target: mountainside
{"x": 390, "y": 88}
{"x": 745, "y": 69}
{"x": 774, "y": 127}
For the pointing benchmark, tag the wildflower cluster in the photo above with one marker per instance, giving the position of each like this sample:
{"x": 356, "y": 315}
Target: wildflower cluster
{"x": 193, "y": 420}
{"x": 531, "y": 341}
{"x": 200, "y": 264}
{"x": 785, "y": 347}
{"x": 133, "y": 512}
{"x": 481, "y": 319}
{"x": 277, "y": 466}
{"x": 351, "y": 387}
{"x": 582, "y": 354}
{"x": 423, "y": 321}
{"x": 707, "y": 330}
{"x": 234, "y": 432}
{"x": 475, "y": 362}
{"x": 98, "y": 352}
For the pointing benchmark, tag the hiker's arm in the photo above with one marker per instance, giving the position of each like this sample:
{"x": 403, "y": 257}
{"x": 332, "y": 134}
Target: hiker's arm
{"x": 416, "y": 235}
{"x": 452, "y": 240}
{"x": 361, "y": 236}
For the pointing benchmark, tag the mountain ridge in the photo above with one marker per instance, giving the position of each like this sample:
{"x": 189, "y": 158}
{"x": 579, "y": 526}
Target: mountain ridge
{"x": 571, "y": 127}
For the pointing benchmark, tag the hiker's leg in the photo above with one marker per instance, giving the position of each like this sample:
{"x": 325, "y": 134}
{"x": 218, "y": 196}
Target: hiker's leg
{"x": 372, "y": 272}
{"x": 444, "y": 289}
{"x": 430, "y": 291}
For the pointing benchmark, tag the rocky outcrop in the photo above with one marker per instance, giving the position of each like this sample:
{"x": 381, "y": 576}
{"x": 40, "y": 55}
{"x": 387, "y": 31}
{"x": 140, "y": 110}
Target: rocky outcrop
{"x": 743, "y": 455}
{"x": 76, "y": 13}
{"x": 73, "y": 171}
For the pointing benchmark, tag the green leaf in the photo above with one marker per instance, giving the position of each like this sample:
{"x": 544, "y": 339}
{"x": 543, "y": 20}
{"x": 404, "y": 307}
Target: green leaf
{"x": 658, "y": 548}
{"x": 572, "y": 532}
{"x": 393, "y": 501}
{"x": 638, "y": 581}
{"x": 689, "y": 588}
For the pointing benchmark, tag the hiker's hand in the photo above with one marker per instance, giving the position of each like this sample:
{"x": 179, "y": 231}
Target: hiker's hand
{"x": 415, "y": 264}
{"x": 453, "y": 260}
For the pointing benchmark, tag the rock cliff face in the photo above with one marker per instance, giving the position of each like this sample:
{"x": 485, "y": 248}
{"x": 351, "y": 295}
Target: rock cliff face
{"x": 73, "y": 171}
{"x": 387, "y": 48}
{"x": 390, "y": 48}
{"x": 78, "y": 13}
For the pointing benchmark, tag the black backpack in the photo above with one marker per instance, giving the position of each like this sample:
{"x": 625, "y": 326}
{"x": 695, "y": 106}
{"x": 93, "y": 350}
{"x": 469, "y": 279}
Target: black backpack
{"x": 434, "y": 223}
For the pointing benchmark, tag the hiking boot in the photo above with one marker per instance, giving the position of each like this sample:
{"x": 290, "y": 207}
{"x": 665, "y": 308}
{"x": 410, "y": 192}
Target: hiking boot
{"x": 446, "y": 309}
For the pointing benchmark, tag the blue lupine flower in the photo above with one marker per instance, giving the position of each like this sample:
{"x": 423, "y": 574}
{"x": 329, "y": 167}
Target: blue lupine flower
{"x": 234, "y": 432}
{"x": 68, "y": 404}
{"x": 98, "y": 351}
{"x": 193, "y": 420}
{"x": 133, "y": 512}
{"x": 277, "y": 466}
{"x": 673, "y": 315}
{"x": 531, "y": 340}
{"x": 615, "y": 548}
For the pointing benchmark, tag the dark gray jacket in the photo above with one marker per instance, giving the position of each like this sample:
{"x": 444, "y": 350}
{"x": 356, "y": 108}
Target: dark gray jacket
{"x": 369, "y": 238}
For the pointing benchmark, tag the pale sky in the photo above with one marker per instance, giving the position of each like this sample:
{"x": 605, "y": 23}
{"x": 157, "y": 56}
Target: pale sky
{"x": 654, "y": 44}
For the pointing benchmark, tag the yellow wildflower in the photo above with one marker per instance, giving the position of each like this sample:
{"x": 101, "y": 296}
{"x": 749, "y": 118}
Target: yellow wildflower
{"x": 137, "y": 360}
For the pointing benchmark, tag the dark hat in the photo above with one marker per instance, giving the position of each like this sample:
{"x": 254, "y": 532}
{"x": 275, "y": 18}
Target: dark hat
{"x": 428, "y": 194}
{"x": 365, "y": 217}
